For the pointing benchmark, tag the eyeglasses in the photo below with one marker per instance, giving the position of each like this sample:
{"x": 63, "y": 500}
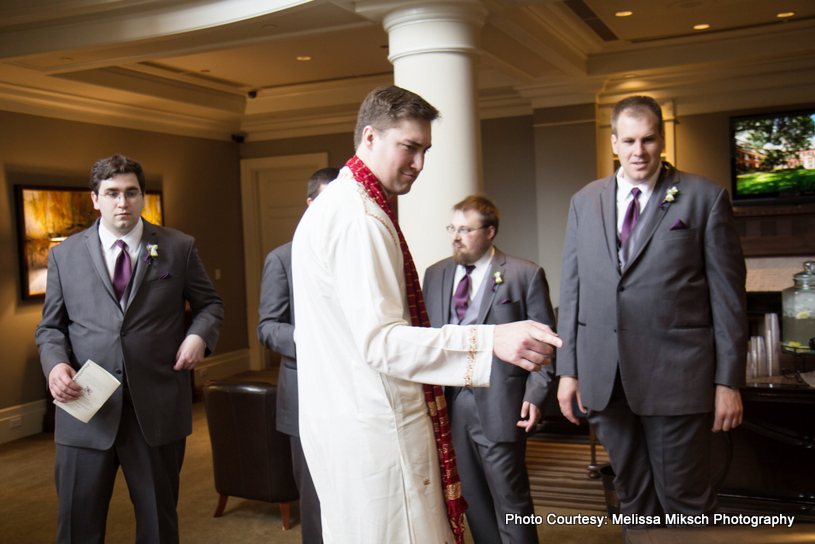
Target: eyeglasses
{"x": 462, "y": 230}
{"x": 114, "y": 196}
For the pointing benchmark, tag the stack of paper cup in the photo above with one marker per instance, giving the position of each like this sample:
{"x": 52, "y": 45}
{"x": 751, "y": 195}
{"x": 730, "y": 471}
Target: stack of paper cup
{"x": 757, "y": 358}
{"x": 773, "y": 344}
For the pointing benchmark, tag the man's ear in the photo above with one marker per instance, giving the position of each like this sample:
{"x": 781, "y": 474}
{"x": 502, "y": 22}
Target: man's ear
{"x": 95, "y": 200}
{"x": 490, "y": 233}
{"x": 368, "y": 135}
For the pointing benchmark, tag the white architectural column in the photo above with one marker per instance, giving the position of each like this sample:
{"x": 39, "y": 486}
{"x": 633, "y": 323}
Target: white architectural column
{"x": 433, "y": 48}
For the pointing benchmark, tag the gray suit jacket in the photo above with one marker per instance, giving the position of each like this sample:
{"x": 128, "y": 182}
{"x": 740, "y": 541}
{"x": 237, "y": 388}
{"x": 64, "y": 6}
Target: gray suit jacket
{"x": 276, "y": 332}
{"x": 674, "y": 317}
{"x": 524, "y": 294}
{"x": 81, "y": 320}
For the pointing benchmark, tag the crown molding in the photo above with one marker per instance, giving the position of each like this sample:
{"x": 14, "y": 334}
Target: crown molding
{"x": 330, "y": 107}
{"x": 20, "y": 99}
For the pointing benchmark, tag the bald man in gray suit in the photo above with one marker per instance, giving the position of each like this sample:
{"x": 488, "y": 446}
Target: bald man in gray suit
{"x": 116, "y": 295}
{"x": 653, "y": 319}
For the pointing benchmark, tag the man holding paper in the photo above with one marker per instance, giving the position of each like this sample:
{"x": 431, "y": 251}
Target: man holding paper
{"x": 116, "y": 295}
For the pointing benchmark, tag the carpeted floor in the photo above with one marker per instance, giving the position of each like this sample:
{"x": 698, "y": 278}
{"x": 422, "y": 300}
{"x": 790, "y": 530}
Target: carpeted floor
{"x": 29, "y": 503}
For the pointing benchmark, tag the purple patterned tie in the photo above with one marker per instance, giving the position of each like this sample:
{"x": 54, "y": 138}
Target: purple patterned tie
{"x": 121, "y": 271}
{"x": 631, "y": 215}
{"x": 461, "y": 298}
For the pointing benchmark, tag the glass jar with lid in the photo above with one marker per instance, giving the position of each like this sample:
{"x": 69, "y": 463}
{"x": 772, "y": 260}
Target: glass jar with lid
{"x": 798, "y": 320}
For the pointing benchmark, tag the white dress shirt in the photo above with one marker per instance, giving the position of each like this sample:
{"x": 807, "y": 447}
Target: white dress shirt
{"x": 482, "y": 268}
{"x": 111, "y": 251}
{"x": 624, "y": 196}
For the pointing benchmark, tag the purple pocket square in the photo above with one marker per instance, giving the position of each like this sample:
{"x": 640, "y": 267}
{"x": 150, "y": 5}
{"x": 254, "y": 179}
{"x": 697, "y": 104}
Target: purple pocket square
{"x": 678, "y": 225}
{"x": 505, "y": 301}
{"x": 164, "y": 276}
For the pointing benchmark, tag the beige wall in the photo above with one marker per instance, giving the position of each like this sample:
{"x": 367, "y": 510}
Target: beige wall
{"x": 565, "y": 161}
{"x": 201, "y": 184}
{"x": 340, "y": 148}
{"x": 509, "y": 180}
{"x": 703, "y": 146}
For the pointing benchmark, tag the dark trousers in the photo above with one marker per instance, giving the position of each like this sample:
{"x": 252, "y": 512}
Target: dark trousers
{"x": 494, "y": 480}
{"x": 661, "y": 463}
{"x": 85, "y": 479}
{"x": 310, "y": 520}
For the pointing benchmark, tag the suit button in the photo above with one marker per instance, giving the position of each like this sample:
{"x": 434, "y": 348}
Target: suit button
{"x": 615, "y": 331}
{"x": 118, "y": 371}
{"x": 124, "y": 333}
{"x": 620, "y": 289}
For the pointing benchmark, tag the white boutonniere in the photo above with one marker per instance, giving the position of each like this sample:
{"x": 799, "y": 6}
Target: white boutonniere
{"x": 497, "y": 279}
{"x": 152, "y": 253}
{"x": 670, "y": 196}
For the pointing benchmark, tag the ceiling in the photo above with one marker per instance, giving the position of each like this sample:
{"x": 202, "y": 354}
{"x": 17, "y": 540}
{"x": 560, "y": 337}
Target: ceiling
{"x": 215, "y": 68}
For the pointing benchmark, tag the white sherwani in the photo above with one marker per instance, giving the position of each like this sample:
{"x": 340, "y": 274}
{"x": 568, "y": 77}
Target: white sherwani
{"x": 364, "y": 422}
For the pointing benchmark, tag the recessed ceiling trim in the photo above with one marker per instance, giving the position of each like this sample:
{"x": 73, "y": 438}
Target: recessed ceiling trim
{"x": 124, "y": 79}
{"x": 20, "y": 99}
{"x": 591, "y": 19}
{"x": 327, "y": 93}
{"x": 769, "y": 25}
{"x": 568, "y": 59}
{"x": 157, "y": 21}
{"x": 711, "y": 46}
{"x": 164, "y": 70}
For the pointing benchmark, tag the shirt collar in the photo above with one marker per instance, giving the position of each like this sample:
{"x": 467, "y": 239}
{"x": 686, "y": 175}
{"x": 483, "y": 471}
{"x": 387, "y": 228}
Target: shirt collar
{"x": 624, "y": 186}
{"x": 484, "y": 260}
{"x": 132, "y": 238}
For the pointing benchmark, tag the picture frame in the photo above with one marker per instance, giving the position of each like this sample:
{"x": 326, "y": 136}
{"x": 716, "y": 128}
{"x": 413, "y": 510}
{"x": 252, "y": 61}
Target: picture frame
{"x": 48, "y": 215}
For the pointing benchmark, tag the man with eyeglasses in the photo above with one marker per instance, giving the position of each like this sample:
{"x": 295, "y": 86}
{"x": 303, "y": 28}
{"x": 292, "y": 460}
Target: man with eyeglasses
{"x": 116, "y": 295}
{"x": 480, "y": 285}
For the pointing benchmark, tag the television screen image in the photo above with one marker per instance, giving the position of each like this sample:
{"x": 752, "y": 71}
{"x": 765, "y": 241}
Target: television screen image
{"x": 773, "y": 157}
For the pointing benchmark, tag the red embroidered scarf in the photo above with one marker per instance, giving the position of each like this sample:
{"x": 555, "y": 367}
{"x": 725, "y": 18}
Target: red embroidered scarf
{"x": 434, "y": 394}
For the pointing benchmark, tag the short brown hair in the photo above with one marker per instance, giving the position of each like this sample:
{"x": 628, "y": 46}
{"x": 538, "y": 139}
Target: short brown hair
{"x": 321, "y": 177}
{"x": 636, "y": 106}
{"x": 486, "y": 208}
{"x": 386, "y": 107}
{"x": 117, "y": 164}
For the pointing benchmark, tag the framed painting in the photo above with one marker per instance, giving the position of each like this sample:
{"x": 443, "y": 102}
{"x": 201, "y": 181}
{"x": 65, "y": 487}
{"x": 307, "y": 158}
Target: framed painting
{"x": 48, "y": 215}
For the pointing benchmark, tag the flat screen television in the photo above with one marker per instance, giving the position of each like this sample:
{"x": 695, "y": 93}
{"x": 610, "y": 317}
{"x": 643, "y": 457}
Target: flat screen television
{"x": 773, "y": 158}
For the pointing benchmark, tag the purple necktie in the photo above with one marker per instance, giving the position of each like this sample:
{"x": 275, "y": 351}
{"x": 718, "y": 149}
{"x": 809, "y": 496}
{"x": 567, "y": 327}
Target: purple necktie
{"x": 121, "y": 271}
{"x": 461, "y": 298}
{"x": 631, "y": 215}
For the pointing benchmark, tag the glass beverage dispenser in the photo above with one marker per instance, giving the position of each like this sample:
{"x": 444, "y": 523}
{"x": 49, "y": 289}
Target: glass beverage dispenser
{"x": 798, "y": 321}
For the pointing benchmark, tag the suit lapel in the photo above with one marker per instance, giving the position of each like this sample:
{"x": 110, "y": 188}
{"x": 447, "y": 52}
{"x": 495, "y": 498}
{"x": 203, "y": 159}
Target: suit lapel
{"x": 499, "y": 263}
{"x": 608, "y": 208}
{"x": 142, "y": 266}
{"x": 654, "y": 214}
{"x": 94, "y": 247}
{"x": 447, "y": 279}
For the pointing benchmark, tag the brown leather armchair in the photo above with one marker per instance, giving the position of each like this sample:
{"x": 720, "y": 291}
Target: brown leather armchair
{"x": 251, "y": 459}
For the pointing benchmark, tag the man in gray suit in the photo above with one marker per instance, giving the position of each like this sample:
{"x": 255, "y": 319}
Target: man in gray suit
{"x": 653, "y": 320}
{"x": 116, "y": 295}
{"x": 276, "y": 332}
{"x": 479, "y": 284}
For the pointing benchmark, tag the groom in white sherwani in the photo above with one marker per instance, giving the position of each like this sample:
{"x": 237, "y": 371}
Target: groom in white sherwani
{"x": 375, "y": 436}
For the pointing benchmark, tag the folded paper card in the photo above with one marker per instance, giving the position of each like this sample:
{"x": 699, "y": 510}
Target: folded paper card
{"x": 97, "y": 386}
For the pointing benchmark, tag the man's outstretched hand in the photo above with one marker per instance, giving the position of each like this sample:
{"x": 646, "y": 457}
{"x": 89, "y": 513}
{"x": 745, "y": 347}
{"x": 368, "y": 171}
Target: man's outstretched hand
{"x": 526, "y": 344}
